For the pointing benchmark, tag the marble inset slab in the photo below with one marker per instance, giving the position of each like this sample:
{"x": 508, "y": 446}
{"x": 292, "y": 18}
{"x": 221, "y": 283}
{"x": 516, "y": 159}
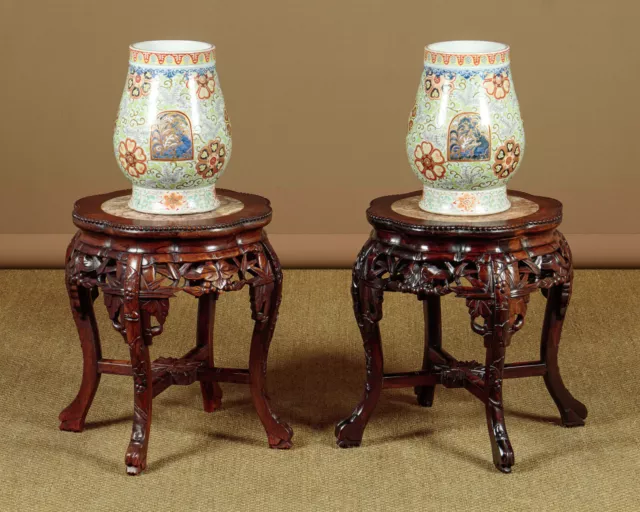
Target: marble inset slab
{"x": 409, "y": 207}
{"x": 119, "y": 207}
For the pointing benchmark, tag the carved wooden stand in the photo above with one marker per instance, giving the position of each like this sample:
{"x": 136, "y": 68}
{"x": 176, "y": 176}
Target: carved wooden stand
{"x": 494, "y": 263}
{"x": 139, "y": 265}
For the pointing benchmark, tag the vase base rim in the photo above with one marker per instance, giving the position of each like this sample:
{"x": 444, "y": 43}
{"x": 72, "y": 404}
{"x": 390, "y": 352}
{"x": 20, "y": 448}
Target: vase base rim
{"x": 464, "y": 203}
{"x": 174, "y": 202}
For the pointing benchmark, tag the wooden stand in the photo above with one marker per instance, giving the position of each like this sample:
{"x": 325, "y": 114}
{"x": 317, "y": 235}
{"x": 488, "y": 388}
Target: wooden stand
{"x": 140, "y": 262}
{"x": 494, "y": 263}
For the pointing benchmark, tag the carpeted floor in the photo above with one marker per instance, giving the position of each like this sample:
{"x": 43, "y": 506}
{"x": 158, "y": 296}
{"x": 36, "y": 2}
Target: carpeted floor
{"x": 411, "y": 458}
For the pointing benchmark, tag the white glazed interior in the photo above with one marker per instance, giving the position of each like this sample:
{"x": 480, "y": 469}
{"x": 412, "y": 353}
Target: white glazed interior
{"x": 171, "y": 46}
{"x": 467, "y": 47}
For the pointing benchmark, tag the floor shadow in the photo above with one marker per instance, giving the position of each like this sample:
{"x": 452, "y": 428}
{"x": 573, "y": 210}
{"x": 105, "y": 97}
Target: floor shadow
{"x": 485, "y": 463}
{"x": 320, "y": 390}
{"x": 90, "y": 425}
{"x": 167, "y": 460}
{"x": 416, "y": 435}
{"x": 533, "y": 417}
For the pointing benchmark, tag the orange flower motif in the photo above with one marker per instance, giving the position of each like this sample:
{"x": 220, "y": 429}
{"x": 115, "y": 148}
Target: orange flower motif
{"x": 132, "y": 158}
{"x": 429, "y": 161}
{"x": 139, "y": 84}
{"x": 206, "y": 85}
{"x": 466, "y": 202}
{"x": 412, "y": 116}
{"x": 227, "y": 122}
{"x": 211, "y": 158}
{"x": 497, "y": 86}
{"x": 507, "y": 159}
{"x": 173, "y": 200}
{"x": 435, "y": 86}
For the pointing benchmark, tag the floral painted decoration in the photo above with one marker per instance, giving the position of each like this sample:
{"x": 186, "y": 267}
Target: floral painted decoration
{"x": 173, "y": 200}
{"x": 211, "y": 158}
{"x": 435, "y": 86}
{"x": 429, "y": 161}
{"x": 466, "y": 202}
{"x": 206, "y": 85}
{"x": 412, "y": 116}
{"x": 507, "y": 159}
{"x": 132, "y": 158}
{"x": 139, "y": 84}
{"x": 227, "y": 122}
{"x": 497, "y": 85}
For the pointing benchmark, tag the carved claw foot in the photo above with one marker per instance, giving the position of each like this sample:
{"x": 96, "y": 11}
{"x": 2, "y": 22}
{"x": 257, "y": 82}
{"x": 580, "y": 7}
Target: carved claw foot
{"x": 349, "y": 433}
{"x": 575, "y": 416}
{"x": 424, "y": 395}
{"x": 70, "y": 423}
{"x": 280, "y": 437}
{"x": 503, "y": 457}
{"x": 281, "y": 443}
{"x": 136, "y": 459}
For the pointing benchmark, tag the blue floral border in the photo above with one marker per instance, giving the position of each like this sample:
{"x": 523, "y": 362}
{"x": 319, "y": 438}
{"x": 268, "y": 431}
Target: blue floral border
{"x": 170, "y": 72}
{"x": 466, "y": 72}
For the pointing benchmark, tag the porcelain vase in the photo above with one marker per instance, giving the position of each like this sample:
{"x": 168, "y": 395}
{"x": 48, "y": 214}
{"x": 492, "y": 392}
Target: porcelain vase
{"x": 465, "y": 139}
{"x": 172, "y": 136}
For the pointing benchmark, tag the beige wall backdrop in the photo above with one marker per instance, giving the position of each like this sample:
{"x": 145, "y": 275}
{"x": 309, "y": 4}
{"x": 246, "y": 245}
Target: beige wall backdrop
{"x": 318, "y": 93}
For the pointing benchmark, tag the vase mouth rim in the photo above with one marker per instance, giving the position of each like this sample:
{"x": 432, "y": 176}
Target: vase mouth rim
{"x": 467, "y": 47}
{"x": 171, "y": 46}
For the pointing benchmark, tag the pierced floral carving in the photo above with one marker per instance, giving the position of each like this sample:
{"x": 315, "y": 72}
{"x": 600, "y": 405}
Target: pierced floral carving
{"x": 160, "y": 280}
{"x": 486, "y": 282}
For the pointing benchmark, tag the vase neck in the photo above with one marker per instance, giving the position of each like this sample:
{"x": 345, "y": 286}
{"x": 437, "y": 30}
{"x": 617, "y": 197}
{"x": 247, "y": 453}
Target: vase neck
{"x": 172, "y": 53}
{"x": 466, "y": 54}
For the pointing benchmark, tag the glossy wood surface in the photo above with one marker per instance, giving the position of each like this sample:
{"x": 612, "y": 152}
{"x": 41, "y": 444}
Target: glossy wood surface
{"x": 89, "y": 215}
{"x": 549, "y": 215}
{"x": 138, "y": 266}
{"x": 494, "y": 265}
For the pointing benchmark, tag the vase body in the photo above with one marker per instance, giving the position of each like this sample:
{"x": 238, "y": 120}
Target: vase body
{"x": 465, "y": 139}
{"x": 172, "y": 136}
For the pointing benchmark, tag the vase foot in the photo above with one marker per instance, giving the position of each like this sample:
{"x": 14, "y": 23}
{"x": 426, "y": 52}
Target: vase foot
{"x": 174, "y": 202}
{"x": 464, "y": 202}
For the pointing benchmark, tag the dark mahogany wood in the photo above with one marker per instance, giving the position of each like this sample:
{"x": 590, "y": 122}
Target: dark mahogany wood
{"x": 211, "y": 391}
{"x": 138, "y": 266}
{"x": 432, "y": 339}
{"x": 494, "y": 265}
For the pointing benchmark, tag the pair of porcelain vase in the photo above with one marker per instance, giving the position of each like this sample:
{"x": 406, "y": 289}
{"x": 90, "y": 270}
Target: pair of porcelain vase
{"x": 465, "y": 137}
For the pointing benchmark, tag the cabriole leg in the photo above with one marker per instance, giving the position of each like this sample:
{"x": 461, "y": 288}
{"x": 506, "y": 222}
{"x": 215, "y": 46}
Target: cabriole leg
{"x": 73, "y": 417}
{"x": 136, "y": 456}
{"x": 265, "y": 303}
{"x": 367, "y": 305}
{"x": 572, "y": 412}
{"x": 502, "y": 305}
